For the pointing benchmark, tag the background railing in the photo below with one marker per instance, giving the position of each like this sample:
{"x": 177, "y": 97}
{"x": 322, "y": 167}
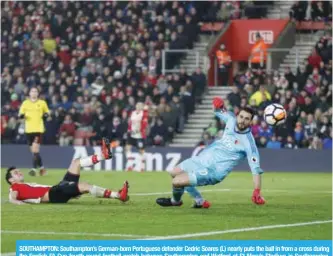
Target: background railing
{"x": 201, "y": 60}
{"x": 269, "y": 61}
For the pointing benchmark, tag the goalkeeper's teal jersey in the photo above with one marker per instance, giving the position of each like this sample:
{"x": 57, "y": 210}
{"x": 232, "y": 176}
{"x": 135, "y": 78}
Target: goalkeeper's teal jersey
{"x": 216, "y": 161}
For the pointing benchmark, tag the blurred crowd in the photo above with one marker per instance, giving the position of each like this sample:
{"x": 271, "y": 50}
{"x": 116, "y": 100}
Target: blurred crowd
{"x": 226, "y": 10}
{"x": 306, "y": 95}
{"x": 311, "y": 11}
{"x": 92, "y": 62}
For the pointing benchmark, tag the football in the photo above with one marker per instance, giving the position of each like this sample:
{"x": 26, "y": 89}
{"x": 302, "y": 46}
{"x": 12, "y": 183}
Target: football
{"x": 275, "y": 114}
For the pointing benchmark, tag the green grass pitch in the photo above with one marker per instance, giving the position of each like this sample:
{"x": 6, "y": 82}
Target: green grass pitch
{"x": 291, "y": 198}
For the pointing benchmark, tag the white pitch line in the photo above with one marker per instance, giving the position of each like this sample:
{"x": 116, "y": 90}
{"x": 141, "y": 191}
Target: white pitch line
{"x": 237, "y": 190}
{"x": 239, "y": 230}
{"x": 69, "y": 233}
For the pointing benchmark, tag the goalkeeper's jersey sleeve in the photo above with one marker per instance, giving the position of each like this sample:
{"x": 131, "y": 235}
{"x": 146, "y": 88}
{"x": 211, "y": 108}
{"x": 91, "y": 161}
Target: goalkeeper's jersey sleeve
{"x": 252, "y": 154}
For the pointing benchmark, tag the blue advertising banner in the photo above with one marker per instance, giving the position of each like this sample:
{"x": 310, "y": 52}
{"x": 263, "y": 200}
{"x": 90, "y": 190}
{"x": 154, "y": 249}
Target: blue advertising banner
{"x": 166, "y": 158}
{"x": 167, "y": 248}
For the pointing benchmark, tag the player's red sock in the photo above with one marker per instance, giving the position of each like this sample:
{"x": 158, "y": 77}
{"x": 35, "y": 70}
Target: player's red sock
{"x": 107, "y": 193}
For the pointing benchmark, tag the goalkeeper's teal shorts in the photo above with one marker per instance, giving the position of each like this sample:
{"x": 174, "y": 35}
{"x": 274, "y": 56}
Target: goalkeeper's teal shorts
{"x": 200, "y": 175}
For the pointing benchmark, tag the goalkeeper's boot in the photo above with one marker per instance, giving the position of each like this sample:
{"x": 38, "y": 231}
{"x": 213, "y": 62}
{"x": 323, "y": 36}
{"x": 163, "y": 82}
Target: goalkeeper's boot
{"x": 205, "y": 204}
{"x": 165, "y": 202}
{"x": 123, "y": 193}
{"x": 106, "y": 149}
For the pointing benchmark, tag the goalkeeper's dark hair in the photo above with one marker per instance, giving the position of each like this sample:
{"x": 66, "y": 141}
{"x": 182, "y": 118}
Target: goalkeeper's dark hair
{"x": 9, "y": 174}
{"x": 249, "y": 110}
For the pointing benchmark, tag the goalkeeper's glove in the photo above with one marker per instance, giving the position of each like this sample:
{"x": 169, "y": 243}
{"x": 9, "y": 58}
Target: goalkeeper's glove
{"x": 218, "y": 102}
{"x": 257, "y": 198}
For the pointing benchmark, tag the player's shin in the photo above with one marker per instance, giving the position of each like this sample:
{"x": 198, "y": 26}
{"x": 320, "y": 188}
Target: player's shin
{"x": 35, "y": 160}
{"x": 177, "y": 193}
{"x": 195, "y": 194}
{"x": 102, "y": 192}
{"x": 91, "y": 160}
{"x": 39, "y": 161}
{"x": 129, "y": 161}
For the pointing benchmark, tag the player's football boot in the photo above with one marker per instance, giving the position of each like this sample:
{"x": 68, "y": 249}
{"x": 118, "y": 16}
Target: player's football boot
{"x": 106, "y": 149}
{"x": 165, "y": 202}
{"x": 205, "y": 204}
{"x": 123, "y": 193}
{"x": 42, "y": 172}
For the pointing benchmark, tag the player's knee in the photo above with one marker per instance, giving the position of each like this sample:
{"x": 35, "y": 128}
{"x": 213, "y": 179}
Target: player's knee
{"x": 34, "y": 149}
{"x": 175, "y": 171}
{"x": 84, "y": 187}
{"x": 176, "y": 182}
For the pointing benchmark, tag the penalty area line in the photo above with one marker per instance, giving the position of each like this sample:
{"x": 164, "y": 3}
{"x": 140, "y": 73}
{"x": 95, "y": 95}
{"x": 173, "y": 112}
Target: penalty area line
{"x": 71, "y": 233}
{"x": 239, "y": 230}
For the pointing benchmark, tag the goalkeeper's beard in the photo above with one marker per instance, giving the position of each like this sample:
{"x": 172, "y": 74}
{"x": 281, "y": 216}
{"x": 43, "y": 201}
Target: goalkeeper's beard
{"x": 243, "y": 125}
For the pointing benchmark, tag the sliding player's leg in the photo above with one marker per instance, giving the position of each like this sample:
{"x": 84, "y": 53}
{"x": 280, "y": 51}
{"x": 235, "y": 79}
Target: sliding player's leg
{"x": 66, "y": 190}
{"x": 94, "y": 190}
{"x": 100, "y": 192}
{"x": 70, "y": 187}
{"x": 75, "y": 167}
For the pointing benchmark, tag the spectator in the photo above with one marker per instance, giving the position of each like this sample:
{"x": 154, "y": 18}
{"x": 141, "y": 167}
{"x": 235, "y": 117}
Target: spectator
{"x": 259, "y": 96}
{"x": 314, "y": 59}
{"x": 262, "y": 142}
{"x": 234, "y": 97}
{"x": 290, "y": 144}
{"x": 67, "y": 131}
{"x": 273, "y": 143}
{"x": 265, "y": 130}
{"x": 299, "y": 134}
{"x": 258, "y": 53}
{"x": 224, "y": 62}
{"x": 158, "y": 133}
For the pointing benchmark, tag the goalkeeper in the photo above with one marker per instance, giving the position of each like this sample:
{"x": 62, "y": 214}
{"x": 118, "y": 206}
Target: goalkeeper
{"x": 215, "y": 162}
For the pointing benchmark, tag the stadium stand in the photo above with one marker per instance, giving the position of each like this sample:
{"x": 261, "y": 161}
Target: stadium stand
{"x": 306, "y": 95}
{"x": 92, "y": 63}
{"x": 311, "y": 11}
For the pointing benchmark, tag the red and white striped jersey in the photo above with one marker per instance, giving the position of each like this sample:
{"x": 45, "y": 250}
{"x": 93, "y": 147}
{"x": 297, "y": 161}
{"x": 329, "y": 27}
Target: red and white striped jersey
{"x": 137, "y": 124}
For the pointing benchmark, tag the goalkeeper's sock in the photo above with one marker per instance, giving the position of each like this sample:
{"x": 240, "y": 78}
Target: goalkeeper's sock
{"x": 177, "y": 194}
{"x": 195, "y": 194}
{"x": 91, "y": 160}
{"x": 102, "y": 192}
